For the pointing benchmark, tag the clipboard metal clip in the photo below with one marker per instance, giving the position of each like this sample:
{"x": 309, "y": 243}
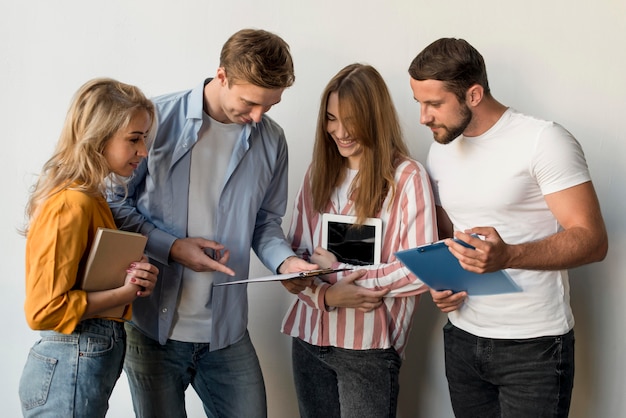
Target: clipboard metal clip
{"x": 319, "y": 272}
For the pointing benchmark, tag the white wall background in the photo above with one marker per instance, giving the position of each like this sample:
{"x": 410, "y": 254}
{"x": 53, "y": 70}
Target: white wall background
{"x": 562, "y": 60}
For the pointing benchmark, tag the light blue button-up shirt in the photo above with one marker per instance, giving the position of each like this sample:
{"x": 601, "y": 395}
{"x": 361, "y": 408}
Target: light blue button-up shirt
{"x": 251, "y": 206}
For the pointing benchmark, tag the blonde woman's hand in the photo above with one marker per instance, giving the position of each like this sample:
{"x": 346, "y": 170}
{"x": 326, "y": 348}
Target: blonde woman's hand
{"x": 143, "y": 276}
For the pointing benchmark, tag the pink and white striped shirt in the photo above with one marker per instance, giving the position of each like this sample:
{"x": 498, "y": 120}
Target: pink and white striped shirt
{"x": 408, "y": 221}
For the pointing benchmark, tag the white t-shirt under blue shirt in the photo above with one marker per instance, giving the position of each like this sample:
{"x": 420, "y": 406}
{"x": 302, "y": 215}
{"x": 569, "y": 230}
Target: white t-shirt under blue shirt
{"x": 209, "y": 162}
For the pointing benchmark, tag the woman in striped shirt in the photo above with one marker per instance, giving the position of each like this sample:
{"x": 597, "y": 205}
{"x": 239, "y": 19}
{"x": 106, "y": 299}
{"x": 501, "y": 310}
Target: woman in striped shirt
{"x": 350, "y": 330}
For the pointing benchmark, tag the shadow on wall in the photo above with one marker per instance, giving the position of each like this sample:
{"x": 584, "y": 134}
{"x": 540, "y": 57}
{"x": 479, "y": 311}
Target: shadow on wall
{"x": 586, "y": 296}
{"x": 423, "y": 385}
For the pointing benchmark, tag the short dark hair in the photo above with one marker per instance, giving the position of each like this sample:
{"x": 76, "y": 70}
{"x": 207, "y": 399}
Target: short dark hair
{"x": 453, "y": 61}
{"x": 258, "y": 57}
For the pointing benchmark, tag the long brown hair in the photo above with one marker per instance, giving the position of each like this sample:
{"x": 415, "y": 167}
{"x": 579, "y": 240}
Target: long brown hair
{"x": 368, "y": 113}
{"x": 99, "y": 109}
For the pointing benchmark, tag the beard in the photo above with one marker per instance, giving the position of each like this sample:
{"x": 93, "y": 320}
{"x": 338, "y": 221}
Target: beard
{"x": 450, "y": 133}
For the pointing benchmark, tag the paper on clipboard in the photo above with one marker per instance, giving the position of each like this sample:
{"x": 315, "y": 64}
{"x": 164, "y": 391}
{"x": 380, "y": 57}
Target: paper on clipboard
{"x": 287, "y": 276}
{"x": 435, "y": 265}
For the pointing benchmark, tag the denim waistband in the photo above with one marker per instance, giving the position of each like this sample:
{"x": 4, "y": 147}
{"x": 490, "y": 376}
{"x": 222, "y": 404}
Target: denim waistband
{"x": 105, "y": 327}
{"x": 102, "y": 326}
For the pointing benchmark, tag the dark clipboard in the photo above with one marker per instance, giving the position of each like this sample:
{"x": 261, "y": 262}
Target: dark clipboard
{"x": 435, "y": 265}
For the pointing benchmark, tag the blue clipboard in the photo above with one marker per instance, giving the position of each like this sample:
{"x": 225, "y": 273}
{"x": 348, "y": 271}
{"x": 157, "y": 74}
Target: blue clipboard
{"x": 435, "y": 265}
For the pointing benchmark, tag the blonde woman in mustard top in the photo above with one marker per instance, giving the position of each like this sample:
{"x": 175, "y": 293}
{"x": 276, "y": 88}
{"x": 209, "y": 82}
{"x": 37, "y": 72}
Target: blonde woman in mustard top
{"x": 72, "y": 369}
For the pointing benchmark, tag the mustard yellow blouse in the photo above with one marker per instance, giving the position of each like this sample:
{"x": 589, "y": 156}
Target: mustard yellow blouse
{"x": 57, "y": 246}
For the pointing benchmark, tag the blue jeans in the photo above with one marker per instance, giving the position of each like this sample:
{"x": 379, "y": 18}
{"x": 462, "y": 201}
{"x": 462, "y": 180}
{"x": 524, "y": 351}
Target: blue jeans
{"x": 228, "y": 381}
{"x": 72, "y": 375}
{"x": 335, "y": 382}
{"x": 526, "y": 378}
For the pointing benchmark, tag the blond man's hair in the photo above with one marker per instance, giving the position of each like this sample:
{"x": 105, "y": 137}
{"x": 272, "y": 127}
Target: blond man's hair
{"x": 257, "y": 57}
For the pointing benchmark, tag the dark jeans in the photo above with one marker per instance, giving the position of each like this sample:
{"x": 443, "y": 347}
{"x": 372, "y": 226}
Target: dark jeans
{"x": 334, "y": 382}
{"x": 228, "y": 381}
{"x": 526, "y": 378}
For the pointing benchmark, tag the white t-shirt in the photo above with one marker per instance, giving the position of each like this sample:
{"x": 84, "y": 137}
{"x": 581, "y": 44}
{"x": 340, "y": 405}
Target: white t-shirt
{"x": 341, "y": 195}
{"x": 499, "y": 179}
{"x": 209, "y": 162}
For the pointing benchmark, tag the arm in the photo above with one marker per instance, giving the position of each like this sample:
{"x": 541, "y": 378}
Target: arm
{"x": 583, "y": 239}
{"x": 139, "y": 282}
{"x": 123, "y": 203}
{"x": 51, "y": 302}
{"x": 299, "y": 242}
{"x": 268, "y": 239}
{"x": 346, "y": 294}
{"x": 57, "y": 243}
{"x": 341, "y": 294}
{"x": 162, "y": 246}
{"x": 394, "y": 278}
{"x": 138, "y": 205}
{"x": 410, "y": 221}
{"x": 314, "y": 291}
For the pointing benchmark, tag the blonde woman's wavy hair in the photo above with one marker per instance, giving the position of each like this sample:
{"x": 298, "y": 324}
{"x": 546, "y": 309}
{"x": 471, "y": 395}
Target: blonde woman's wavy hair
{"x": 98, "y": 110}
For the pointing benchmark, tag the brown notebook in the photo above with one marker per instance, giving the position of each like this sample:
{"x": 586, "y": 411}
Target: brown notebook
{"x": 110, "y": 255}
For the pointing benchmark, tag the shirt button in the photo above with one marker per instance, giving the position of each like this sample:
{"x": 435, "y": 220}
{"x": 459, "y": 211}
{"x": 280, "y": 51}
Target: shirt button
{"x": 164, "y": 310}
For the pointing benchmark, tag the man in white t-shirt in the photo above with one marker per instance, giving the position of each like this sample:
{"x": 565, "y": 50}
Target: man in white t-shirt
{"x": 523, "y": 186}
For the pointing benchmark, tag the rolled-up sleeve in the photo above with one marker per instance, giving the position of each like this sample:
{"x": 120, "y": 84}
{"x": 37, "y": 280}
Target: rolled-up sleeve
{"x": 56, "y": 243}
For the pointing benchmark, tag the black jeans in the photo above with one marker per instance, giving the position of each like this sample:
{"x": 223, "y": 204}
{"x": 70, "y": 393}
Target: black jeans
{"x": 526, "y": 378}
{"x": 334, "y": 382}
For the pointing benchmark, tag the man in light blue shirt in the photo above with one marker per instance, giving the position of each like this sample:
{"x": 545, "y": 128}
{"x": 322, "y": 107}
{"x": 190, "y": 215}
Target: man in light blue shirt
{"x": 214, "y": 186}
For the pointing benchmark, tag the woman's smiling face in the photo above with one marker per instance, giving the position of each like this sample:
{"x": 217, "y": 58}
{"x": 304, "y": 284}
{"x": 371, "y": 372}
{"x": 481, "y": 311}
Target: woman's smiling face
{"x": 127, "y": 147}
{"x": 347, "y": 146}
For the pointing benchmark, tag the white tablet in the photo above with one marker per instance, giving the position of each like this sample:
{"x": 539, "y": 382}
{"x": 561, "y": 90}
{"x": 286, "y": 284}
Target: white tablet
{"x": 351, "y": 243}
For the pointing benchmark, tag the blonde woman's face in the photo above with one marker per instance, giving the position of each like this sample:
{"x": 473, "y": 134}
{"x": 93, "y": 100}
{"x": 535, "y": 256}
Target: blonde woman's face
{"x": 127, "y": 147}
{"x": 347, "y": 146}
